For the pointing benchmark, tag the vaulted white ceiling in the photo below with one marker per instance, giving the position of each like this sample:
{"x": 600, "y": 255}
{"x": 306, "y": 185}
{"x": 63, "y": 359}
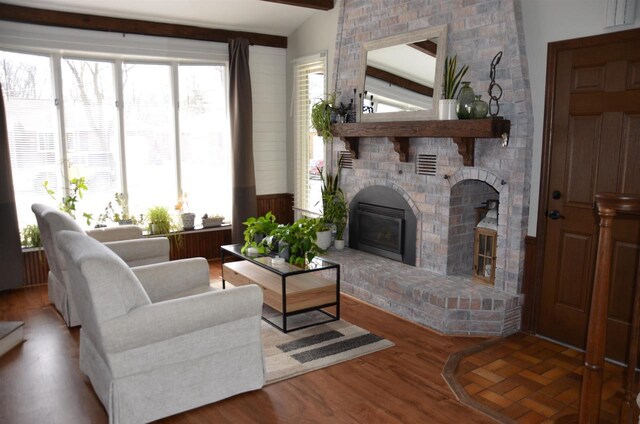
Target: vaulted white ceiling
{"x": 240, "y": 15}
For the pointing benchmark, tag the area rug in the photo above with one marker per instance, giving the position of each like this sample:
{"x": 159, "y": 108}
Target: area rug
{"x": 301, "y": 351}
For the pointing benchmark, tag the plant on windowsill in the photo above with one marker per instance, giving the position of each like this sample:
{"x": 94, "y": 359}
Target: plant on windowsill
{"x": 160, "y": 221}
{"x": 31, "y": 236}
{"x": 321, "y": 113}
{"x": 121, "y": 217}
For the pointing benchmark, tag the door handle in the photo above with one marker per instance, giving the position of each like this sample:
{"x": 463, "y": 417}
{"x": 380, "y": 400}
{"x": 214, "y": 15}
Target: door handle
{"x": 554, "y": 214}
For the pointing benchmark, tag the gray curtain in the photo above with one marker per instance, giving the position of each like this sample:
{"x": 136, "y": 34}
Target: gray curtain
{"x": 243, "y": 175}
{"x": 10, "y": 251}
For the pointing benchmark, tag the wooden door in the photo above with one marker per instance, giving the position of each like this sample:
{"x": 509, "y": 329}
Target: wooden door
{"x": 592, "y": 136}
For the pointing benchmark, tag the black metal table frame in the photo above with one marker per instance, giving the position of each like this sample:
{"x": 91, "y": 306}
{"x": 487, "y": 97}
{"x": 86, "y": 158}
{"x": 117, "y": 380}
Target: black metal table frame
{"x": 283, "y": 276}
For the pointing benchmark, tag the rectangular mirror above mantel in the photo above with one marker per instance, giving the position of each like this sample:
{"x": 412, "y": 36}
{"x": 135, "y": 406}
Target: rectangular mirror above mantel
{"x": 463, "y": 132}
{"x": 402, "y": 75}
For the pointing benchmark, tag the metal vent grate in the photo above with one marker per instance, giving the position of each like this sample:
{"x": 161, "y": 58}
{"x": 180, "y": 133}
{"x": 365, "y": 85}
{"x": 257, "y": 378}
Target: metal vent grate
{"x": 426, "y": 164}
{"x": 345, "y": 160}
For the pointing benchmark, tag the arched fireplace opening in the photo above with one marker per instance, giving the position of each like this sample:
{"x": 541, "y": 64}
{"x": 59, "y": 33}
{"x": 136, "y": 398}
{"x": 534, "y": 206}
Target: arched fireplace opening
{"x": 467, "y": 207}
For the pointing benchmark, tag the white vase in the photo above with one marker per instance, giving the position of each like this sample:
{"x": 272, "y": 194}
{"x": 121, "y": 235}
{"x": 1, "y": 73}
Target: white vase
{"x": 324, "y": 239}
{"x": 447, "y": 109}
{"x": 338, "y": 244}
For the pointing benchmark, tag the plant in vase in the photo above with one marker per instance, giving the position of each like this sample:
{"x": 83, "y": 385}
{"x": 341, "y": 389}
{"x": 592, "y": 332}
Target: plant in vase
{"x": 30, "y": 236}
{"x": 321, "y": 112}
{"x": 301, "y": 238}
{"x": 120, "y": 216}
{"x": 451, "y": 81}
{"x": 160, "y": 221}
{"x": 337, "y": 210}
{"x": 188, "y": 218}
{"x": 256, "y": 230}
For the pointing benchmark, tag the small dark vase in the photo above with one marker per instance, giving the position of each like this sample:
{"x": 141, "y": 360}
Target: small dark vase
{"x": 465, "y": 99}
{"x": 283, "y": 250}
{"x": 479, "y": 108}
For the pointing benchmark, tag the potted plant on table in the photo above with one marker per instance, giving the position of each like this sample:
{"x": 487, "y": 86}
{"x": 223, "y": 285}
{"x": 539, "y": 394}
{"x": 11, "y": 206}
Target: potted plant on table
{"x": 257, "y": 229}
{"x": 301, "y": 238}
{"x": 451, "y": 80}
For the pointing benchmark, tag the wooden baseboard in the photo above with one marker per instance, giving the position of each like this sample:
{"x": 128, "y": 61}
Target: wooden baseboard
{"x": 528, "y": 283}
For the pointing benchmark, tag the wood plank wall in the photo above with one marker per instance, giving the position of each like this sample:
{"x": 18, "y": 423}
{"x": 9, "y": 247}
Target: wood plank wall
{"x": 35, "y": 266}
{"x": 281, "y": 205}
{"x": 205, "y": 244}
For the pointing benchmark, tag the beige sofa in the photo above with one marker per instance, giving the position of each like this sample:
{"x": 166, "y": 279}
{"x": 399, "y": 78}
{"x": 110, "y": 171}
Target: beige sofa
{"x": 149, "y": 350}
{"x": 126, "y": 241}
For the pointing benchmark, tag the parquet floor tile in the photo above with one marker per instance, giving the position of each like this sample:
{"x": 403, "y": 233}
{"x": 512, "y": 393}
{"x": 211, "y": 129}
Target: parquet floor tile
{"x": 525, "y": 379}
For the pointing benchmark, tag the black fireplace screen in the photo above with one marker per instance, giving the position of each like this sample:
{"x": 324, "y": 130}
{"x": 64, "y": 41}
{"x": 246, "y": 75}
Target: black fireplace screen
{"x": 382, "y": 222}
{"x": 381, "y": 230}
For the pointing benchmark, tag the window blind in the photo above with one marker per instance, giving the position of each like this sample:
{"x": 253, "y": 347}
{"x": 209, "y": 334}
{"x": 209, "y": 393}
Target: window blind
{"x": 309, "y": 82}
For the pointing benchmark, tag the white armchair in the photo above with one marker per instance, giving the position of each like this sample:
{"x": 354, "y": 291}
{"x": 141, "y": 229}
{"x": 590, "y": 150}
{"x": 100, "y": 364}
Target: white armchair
{"x": 148, "y": 358}
{"x": 131, "y": 247}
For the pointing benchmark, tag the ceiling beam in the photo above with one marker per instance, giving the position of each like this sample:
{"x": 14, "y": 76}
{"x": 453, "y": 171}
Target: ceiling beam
{"x": 311, "y": 4}
{"x": 30, "y": 15}
{"x": 399, "y": 81}
{"x": 426, "y": 46}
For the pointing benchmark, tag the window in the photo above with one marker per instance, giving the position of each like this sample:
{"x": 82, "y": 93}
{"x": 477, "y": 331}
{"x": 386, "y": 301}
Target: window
{"x": 309, "y": 83}
{"x": 32, "y": 126}
{"x": 150, "y": 130}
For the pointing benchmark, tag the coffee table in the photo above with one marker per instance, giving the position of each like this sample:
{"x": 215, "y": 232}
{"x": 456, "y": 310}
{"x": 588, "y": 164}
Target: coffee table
{"x": 288, "y": 290}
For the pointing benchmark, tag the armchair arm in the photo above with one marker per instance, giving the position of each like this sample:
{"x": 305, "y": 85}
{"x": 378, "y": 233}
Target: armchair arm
{"x": 121, "y": 232}
{"x": 141, "y": 251}
{"x": 156, "y": 322}
{"x": 165, "y": 279}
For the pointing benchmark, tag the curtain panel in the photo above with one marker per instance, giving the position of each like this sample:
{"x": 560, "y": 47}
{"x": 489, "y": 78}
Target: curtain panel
{"x": 10, "y": 250}
{"x": 241, "y": 115}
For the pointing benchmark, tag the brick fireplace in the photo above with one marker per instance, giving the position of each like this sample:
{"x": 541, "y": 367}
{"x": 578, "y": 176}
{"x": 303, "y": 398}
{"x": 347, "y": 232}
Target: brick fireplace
{"x": 438, "y": 290}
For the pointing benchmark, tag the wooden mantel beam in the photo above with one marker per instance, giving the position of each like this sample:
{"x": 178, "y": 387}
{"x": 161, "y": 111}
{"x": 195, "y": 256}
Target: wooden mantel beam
{"x": 311, "y": 4}
{"x": 30, "y": 15}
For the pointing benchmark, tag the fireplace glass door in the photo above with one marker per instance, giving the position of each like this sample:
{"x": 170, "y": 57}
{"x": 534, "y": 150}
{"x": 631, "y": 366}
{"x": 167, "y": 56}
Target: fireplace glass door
{"x": 381, "y": 230}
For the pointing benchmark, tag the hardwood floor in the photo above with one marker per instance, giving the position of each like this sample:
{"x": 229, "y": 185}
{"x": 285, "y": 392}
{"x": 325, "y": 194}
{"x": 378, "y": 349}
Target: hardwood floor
{"x": 41, "y": 382}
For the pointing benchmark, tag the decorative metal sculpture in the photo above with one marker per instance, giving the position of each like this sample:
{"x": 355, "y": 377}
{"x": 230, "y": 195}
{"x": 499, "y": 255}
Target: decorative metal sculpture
{"x": 494, "y": 98}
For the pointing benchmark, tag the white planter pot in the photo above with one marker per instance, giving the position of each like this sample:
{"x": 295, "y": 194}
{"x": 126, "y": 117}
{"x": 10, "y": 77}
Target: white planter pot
{"x": 447, "y": 109}
{"x": 324, "y": 239}
{"x": 338, "y": 244}
{"x": 188, "y": 220}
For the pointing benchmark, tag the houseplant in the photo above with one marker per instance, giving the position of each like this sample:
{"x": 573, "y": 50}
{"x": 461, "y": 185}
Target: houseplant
{"x": 451, "y": 80}
{"x": 160, "y": 221}
{"x": 31, "y": 236}
{"x": 119, "y": 216}
{"x": 321, "y": 116}
{"x": 77, "y": 186}
{"x": 301, "y": 238}
{"x": 337, "y": 211}
{"x": 257, "y": 229}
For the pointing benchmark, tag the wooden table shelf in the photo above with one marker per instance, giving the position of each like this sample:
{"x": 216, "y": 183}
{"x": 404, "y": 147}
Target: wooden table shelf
{"x": 464, "y": 133}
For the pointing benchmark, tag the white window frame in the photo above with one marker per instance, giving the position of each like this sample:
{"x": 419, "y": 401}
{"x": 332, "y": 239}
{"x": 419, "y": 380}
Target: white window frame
{"x": 301, "y": 132}
{"x": 58, "y": 43}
